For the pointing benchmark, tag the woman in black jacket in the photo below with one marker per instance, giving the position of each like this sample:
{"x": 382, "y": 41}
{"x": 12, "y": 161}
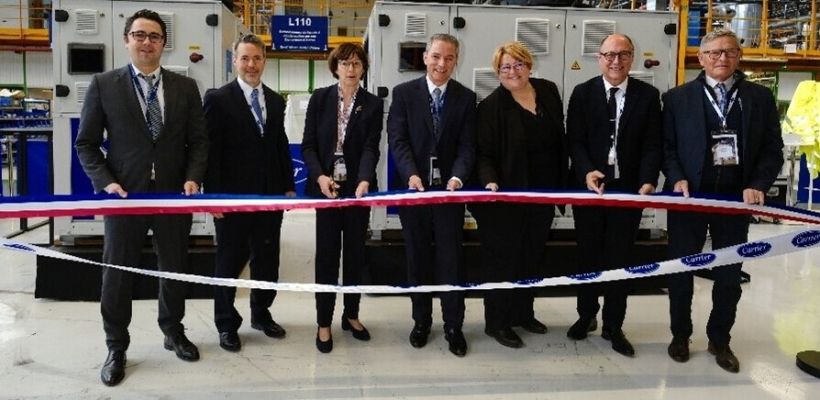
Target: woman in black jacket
{"x": 521, "y": 146}
{"x": 340, "y": 146}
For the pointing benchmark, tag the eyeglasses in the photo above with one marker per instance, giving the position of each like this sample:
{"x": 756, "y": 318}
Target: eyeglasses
{"x": 518, "y": 67}
{"x": 622, "y": 55}
{"x": 714, "y": 55}
{"x": 350, "y": 64}
{"x": 140, "y": 36}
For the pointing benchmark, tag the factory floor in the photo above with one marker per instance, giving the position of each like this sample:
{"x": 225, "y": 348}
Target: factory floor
{"x": 54, "y": 349}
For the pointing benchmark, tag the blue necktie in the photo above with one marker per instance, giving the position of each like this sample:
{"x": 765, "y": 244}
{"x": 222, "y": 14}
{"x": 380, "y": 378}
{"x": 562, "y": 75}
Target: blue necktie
{"x": 153, "y": 114}
{"x": 257, "y": 109}
{"x": 721, "y": 88}
{"x": 436, "y": 111}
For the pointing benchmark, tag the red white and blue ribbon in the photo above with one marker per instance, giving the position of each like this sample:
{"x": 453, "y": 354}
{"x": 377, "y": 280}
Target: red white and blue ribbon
{"x": 62, "y": 206}
{"x": 801, "y": 239}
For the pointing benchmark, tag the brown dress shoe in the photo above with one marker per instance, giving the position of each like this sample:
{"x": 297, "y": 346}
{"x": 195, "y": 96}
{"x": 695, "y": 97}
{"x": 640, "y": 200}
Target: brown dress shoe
{"x": 679, "y": 349}
{"x": 724, "y": 357}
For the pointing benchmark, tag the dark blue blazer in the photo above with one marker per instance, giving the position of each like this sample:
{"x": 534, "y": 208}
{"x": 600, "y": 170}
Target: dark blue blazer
{"x": 410, "y": 131}
{"x": 640, "y": 138}
{"x": 684, "y": 124}
{"x": 241, "y": 160}
{"x": 361, "y": 144}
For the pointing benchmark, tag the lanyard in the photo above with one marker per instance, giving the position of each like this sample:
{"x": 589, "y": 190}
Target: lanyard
{"x": 721, "y": 113}
{"x": 343, "y": 118}
{"x": 152, "y": 94}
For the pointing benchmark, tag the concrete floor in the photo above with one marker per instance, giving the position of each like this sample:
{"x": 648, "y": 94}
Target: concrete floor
{"x": 51, "y": 349}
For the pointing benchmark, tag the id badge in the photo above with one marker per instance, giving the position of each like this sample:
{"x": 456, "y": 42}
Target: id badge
{"x": 435, "y": 173}
{"x": 612, "y": 160}
{"x": 724, "y": 148}
{"x": 339, "y": 169}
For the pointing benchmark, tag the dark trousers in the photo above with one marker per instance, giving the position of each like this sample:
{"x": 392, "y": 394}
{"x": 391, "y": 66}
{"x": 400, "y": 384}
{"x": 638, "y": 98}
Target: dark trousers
{"x": 242, "y": 237}
{"x": 512, "y": 238}
{"x": 687, "y": 234}
{"x": 606, "y": 240}
{"x": 339, "y": 231}
{"x": 440, "y": 264}
{"x": 124, "y": 240}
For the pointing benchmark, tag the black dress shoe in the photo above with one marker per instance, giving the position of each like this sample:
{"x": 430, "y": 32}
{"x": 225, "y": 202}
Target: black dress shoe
{"x": 619, "y": 341}
{"x": 579, "y": 330}
{"x": 324, "y": 347}
{"x": 230, "y": 341}
{"x": 360, "y": 335}
{"x": 271, "y": 329}
{"x": 418, "y": 336}
{"x": 183, "y": 347}
{"x": 458, "y": 344}
{"x": 679, "y": 349}
{"x": 113, "y": 370}
{"x": 724, "y": 357}
{"x": 534, "y": 326}
{"x": 506, "y": 337}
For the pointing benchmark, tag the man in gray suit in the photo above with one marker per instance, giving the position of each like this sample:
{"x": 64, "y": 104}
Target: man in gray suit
{"x": 157, "y": 143}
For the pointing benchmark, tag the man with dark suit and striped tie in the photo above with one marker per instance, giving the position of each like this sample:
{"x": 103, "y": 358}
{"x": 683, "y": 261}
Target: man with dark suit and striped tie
{"x": 157, "y": 143}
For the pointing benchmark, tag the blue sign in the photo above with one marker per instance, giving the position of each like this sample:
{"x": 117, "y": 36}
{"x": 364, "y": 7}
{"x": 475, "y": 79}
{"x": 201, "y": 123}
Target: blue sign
{"x": 754, "y": 249}
{"x": 806, "y": 239}
{"x": 300, "y": 175}
{"x": 299, "y": 33}
{"x": 586, "y": 276}
{"x": 698, "y": 260}
{"x": 643, "y": 269}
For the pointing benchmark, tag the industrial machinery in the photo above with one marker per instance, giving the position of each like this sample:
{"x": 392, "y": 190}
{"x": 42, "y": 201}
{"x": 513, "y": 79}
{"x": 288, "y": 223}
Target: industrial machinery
{"x": 564, "y": 43}
{"x": 88, "y": 38}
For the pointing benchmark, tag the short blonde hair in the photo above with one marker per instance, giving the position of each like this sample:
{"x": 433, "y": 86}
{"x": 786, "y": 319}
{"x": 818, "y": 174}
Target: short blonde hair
{"x": 516, "y": 50}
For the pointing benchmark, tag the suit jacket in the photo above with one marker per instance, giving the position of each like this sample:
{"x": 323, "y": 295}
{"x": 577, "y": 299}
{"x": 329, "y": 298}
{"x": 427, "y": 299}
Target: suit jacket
{"x": 684, "y": 124}
{"x": 640, "y": 149}
{"x": 361, "y": 143}
{"x": 502, "y": 140}
{"x": 410, "y": 131}
{"x": 241, "y": 160}
{"x": 181, "y": 149}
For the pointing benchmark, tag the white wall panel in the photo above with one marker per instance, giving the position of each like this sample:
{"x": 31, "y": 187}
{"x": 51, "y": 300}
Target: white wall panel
{"x": 39, "y": 71}
{"x": 293, "y": 75}
{"x": 11, "y": 68}
{"x": 271, "y": 74}
{"x": 322, "y": 75}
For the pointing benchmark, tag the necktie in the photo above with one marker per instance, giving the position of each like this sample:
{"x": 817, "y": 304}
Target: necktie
{"x": 612, "y": 108}
{"x": 257, "y": 109}
{"x": 436, "y": 108}
{"x": 721, "y": 89}
{"x": 153, "y": 114}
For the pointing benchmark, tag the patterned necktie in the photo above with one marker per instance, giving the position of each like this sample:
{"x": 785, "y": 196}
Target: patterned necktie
{"x": 612, "y": 107}
{"x": 153, "y": 114}
{"x": 436, "y": 111}
{"x": 257, "y": 109}
{"x": 721, "y": 88}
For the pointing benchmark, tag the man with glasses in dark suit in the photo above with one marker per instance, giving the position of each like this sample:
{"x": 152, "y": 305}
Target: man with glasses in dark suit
{"x": 157, "y": 143}
{"x": 721, "y": 137}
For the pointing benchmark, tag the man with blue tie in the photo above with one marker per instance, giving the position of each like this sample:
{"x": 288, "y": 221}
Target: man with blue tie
{"x": 431, "y": 131}
{"x": 249, "y": 155}
{"x": 157, "y": 143}
{"x": 721, "y": 136}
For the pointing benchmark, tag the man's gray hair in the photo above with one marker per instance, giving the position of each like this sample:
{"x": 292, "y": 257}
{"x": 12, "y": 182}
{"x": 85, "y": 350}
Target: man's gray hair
{"x": 716, "y": 34}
